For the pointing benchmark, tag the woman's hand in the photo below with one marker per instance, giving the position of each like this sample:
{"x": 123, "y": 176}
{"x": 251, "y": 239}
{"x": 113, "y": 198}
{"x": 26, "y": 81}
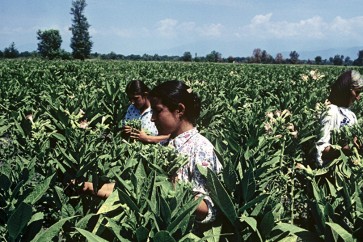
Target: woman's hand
{"x": 139, "y": 135}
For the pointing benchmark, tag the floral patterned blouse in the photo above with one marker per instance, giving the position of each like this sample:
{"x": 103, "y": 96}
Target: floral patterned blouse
{"x": 146, "y": 124}
{"x": 334, "y": 118}
{"x": 200, "y": 151}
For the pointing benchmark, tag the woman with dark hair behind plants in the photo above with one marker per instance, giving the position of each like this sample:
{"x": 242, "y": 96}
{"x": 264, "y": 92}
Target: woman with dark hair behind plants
{"x": 140, "y": 110}
{"x": 344, "y": 92}
{"x": 175, "y": 110}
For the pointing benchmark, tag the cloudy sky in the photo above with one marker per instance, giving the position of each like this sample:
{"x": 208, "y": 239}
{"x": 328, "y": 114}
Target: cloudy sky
{"x": 171, "y": 27}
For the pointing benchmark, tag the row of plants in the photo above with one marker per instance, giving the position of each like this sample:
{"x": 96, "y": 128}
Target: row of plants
{"x": 60, "y": 122}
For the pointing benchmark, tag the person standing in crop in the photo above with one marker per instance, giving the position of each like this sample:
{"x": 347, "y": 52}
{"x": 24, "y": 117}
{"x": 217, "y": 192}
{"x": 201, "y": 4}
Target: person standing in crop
{"x": 140, "y": 109}
{"x": 344, "y": 92}
{"x": 175, "y": 110}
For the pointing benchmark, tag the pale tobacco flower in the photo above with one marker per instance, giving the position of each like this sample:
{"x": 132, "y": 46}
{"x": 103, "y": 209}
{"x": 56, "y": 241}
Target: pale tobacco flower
{"x": 312, "y": 72}
{"x": 29, "y": 117}
{"x": 278, "y": 113}
{"x": 356, "y": 162}
{"x": 304, "y": 77}
{"x": 279, "y": 136}
{"x": 290, "y": 127}
{"x": 299, "y": 166}
{"x": 270, "y": 115}
{"x": 268, "y": 127}
{"x": 285, "y": 113}
{"x": 294, "y": 134}
{"x": 81, "y": 113}
{"x": 103, "y": 119}
{"x": 83, "y": 124}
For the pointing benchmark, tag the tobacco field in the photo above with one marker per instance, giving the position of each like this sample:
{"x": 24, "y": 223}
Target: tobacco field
{"x": 61, "y": 121}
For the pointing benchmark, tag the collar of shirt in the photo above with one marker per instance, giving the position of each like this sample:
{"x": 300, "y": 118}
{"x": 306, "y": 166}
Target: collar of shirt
{"x": 179, "y": 141}
{"x": 146, "y": 111}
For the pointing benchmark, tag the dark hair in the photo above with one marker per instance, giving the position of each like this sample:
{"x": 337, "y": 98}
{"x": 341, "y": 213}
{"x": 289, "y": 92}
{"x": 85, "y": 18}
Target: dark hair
{"x": 171, "y": 93}
{"x": 136, "y": 87}
{"x": 341, "y": 90}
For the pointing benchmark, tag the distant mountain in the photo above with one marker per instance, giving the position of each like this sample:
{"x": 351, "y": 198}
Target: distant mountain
{"x": 352, "y": 52}
{"x": 229, "y": 49}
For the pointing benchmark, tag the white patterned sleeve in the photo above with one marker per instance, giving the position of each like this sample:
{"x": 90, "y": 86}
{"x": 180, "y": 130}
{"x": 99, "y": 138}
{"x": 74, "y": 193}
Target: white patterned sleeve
{"x": 328, "y": 124}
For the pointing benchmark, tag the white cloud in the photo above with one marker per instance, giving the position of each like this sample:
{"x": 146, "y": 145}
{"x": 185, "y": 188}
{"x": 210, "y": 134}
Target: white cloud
{"x": 167, "y": 27}
{"x": 212, "y": 30}
{"x": 171, "y": 28}
{"x": 263, "y": 26}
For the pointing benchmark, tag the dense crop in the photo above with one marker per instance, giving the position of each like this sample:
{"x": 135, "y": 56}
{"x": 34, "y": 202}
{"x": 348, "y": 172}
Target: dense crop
{"x": 61, "y": 121}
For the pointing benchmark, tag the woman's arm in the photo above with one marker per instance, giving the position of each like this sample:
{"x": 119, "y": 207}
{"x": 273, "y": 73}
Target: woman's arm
{"x": 143, "y": 137}
{"x": 104, "y": 192}
{"x": 202, "y": 210}
{"x": 329, "y": 153}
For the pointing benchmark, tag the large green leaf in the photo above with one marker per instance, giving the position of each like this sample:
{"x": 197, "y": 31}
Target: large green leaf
{"x": 163, "y": 236}
{"x": 19, "y": 219}
{"x": 345, "y": 235}
{"x": 91, "y": 237}
{"x": 266, "y": 224}
{"x": 51, "y": 232}
{"x": 38, "y": 191}
{"x": 219, "y": 195}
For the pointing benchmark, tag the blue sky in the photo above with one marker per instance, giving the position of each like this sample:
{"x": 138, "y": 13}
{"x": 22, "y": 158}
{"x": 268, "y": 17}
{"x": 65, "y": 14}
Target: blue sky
{"x": 171, "y": 27}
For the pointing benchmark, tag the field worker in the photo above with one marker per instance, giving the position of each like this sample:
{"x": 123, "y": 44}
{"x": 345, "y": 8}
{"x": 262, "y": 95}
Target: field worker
{"x": 344, "y": 92}
{"x": 140, "y": 109}
{"x": 175, "y": 109}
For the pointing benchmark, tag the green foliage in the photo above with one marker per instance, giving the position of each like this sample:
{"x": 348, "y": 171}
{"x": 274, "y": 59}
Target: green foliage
{"x": 49, "y": 43}
{"x": 81, "y": 43}
{"x": 61, "y": 120}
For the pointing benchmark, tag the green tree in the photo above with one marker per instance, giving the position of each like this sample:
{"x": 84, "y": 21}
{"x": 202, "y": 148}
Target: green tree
{"x": 348, "y": 61}
{"x": 318, "y": 60}
{"x": 187, "y": 56}
{"x": 338, "y": 60}
{"x": 11, "y": 51}
{"x": 359, "y": 60}
{"x": 266, "y": 57}
{"x": 294, "y": 57}
{"x": 81, "y": 43}
{"x": 257, "y": 55}
{"x": 279, "y": 59}
{"x": 214, "y": 56}
{"x": 49, "y": 43}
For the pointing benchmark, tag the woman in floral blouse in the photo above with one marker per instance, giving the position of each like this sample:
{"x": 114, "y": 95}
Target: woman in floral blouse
{"x": 344, "y": 92}
{"x": 139, "y": 108}
{"x": 175, "y": 109}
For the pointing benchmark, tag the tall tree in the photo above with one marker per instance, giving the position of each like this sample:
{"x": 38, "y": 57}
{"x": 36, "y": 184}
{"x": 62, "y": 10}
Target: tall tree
{"x": 81, "y": 43}
{"x": 214, "y": 56}
{"x": 49, "y": 43}
{"x": 187, "y": 56}
{"x": 318, "y": 60}
{"x": 338, "y": 60}
{"x": 359, "y": 60}
{"x": 11, "y": 51}
{"x": 294, "y": 57}
{"x": 257, "y": 55}
{"x": 279, "y": 59}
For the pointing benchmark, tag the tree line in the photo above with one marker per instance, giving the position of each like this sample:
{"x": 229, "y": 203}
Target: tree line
{"x": 49, "y": 47}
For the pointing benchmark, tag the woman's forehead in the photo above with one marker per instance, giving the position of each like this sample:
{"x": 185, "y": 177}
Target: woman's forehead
{"x": 155, "y": 101}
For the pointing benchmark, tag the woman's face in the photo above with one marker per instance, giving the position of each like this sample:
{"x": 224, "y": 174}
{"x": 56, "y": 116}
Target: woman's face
{"x": 138, "y": 100}
{"x": 166, "y": 121}
{"x": 354, "y": 95}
